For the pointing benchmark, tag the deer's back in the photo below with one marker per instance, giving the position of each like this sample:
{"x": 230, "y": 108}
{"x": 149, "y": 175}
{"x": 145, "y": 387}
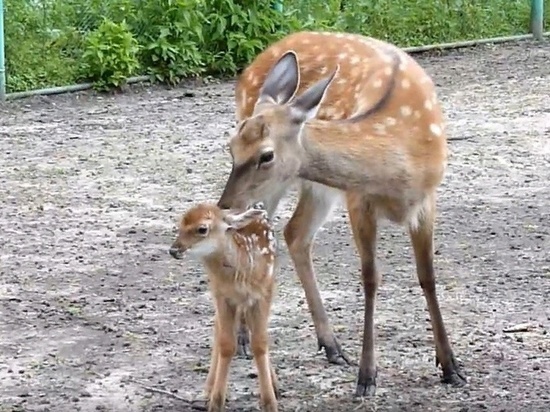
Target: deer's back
{"x": 368, "y": 69}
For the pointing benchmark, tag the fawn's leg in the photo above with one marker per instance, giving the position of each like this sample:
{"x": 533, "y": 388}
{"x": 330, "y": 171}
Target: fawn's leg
{"x": 314, "y": 206}
{"x": 257, "y": 319}
{"x": 422, "y": 242}
{"x": 226, "y": 348}
{"x": 214, "y": 359}
{"x": 363, "y": 224}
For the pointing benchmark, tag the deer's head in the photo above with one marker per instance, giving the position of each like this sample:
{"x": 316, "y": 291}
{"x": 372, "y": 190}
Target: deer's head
{"x": 267, "y": 151}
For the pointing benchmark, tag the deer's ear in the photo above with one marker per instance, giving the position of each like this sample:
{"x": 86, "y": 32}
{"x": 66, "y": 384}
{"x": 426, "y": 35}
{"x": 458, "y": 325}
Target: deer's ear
{"x": 281, "y": 82}
{"x": 236, "y": 220}
{"x": 306, "y": 106}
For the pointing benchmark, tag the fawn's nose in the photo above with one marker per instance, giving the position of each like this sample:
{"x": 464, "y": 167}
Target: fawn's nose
{"x": 176, "y": 253}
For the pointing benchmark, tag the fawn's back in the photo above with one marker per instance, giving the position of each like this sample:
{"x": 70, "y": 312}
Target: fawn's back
{"x": 250, "y": 275}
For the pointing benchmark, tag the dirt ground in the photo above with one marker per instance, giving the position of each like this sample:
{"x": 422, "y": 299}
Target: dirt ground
{"x": 93, "y": 309}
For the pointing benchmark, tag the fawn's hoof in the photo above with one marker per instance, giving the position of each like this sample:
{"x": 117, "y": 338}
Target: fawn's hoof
{"x": 269, "y": 407}
{"x": 216, "y": 403}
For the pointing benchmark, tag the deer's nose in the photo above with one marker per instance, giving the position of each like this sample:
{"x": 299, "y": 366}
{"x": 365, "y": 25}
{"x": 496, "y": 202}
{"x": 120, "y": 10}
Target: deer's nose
{"x": 176, "y": 253}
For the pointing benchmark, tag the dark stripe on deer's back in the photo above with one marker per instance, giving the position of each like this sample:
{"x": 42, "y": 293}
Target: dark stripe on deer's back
{"x": 379, "y": 105}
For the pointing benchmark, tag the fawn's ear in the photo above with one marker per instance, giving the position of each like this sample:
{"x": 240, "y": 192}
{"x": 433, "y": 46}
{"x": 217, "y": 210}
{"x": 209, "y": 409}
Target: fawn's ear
{"x": 237, "y": 220}
{"x": 306, "y": 106}
{"x": 281, "y": 82}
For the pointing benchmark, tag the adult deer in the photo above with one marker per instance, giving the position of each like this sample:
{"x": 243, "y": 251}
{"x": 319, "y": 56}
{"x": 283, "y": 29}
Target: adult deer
{"x": 347, "y": 117}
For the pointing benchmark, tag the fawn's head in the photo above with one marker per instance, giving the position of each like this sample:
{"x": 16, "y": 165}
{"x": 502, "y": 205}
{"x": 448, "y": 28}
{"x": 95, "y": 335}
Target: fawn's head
{"x": 266, "y": 149}
{"x": 203, "y": 229}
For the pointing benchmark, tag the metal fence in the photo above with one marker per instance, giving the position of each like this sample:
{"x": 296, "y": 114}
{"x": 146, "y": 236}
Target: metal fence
{"x": 42, "y": 40}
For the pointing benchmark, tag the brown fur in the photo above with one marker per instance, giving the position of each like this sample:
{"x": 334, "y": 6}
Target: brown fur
{"x": 241, "y": 272}
{"x": 378, "y": 137}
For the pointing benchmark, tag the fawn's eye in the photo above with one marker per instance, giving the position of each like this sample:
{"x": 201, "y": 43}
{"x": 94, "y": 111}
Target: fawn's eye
{"x": 266, "y": 157}
{"x": 202, "y": 230}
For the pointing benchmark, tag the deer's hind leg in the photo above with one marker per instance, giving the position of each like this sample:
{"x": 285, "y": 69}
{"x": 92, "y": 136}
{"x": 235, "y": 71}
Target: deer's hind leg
{"x": 421, "y": 234}
{"x": 257, "y": 319}
{"x": 363, "y": 224}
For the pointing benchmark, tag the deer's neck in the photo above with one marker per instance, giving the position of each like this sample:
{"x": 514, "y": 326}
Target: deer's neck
{"x": 224, "y": 261}
{"x": 334, "y": 158}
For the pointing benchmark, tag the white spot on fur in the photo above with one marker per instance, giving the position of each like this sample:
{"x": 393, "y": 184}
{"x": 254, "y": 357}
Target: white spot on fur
{"x": 436, "y": 129}
{"x": 379, "y": 128}
{"x": 377, "y": 83}
{"x": 343, "y": 56}
{"x": 388, "y": 71}
{"x": 386, "y": 58}
{"x": 428, "y": 104}
{"x": 406, "y": 111}
{"x": 405, "y": 83}
{"x": 355, "y": 60}
{"x": 390, "y": 121}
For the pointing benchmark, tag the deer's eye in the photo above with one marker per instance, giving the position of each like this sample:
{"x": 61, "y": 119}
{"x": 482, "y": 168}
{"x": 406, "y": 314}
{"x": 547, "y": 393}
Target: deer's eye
{"x": 266, "y": 157}
{"x": 202, "y": 230}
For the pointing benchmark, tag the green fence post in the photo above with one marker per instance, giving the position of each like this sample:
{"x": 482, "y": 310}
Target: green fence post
{"x": 537, "y": 8}
{"x": 2, "y": 60}
{"x": 276, "y": 4}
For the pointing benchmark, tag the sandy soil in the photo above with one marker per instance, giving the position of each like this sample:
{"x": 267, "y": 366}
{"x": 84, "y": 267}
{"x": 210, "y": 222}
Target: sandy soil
{"x": 93, "y": 307}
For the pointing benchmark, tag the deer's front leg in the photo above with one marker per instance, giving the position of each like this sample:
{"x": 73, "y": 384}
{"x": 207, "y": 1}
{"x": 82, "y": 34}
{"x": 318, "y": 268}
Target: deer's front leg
{"x": 210, "y": 379}
{"x": 226, "y": 348}
{"x": 363, "y": 224}
{"x": 315, "y": 204}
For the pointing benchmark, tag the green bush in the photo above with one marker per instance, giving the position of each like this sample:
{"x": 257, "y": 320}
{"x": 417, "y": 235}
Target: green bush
{"x": 171, "y": 35}
{"x": 110, "y": 55}
{"x": 59, "y": 42}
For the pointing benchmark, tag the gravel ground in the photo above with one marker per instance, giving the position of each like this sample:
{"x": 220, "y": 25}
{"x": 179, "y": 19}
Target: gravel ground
{"x": 93, "y": 309}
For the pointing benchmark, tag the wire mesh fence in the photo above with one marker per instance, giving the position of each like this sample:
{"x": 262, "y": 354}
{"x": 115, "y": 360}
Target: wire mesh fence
{"x": 61, "y": 42}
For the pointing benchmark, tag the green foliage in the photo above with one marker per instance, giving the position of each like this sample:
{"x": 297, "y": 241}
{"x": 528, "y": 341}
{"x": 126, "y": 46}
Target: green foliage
{"x": 58, "y": 42}
{"x": 110, "y": 55}
{"x": 172, "y": 35}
